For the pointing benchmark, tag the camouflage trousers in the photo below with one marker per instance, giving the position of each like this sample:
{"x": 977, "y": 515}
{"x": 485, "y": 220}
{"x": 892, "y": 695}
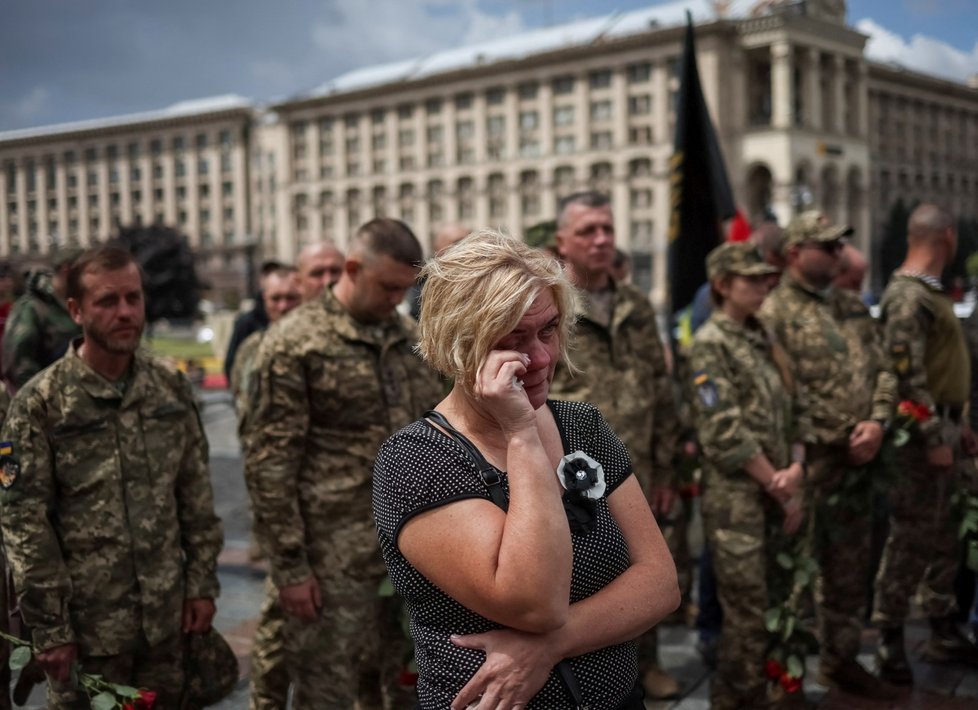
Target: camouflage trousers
{"x": 843, "y": 550}
{"x": 737, "y": 520}
{"x": 269, "y": 675}
{"x": 352, "y": 654}
{"x": 158, "y": 668}
{"x": 923, "y": 547}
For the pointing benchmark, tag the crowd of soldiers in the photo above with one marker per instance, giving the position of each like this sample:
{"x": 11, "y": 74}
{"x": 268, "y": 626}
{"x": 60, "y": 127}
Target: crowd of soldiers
{"x": 785, "y": 404}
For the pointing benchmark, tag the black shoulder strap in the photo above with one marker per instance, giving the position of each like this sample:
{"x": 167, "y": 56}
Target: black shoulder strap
{"x": 486, "y": 471}
{"x": 495, "y": 488}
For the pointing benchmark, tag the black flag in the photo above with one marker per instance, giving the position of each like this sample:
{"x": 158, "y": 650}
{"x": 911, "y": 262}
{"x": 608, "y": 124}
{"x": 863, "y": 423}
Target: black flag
{"x": 699, "y": 190}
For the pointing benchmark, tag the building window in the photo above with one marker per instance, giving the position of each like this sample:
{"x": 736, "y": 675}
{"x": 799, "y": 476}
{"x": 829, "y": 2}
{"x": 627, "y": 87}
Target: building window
{"x": 641, "y": 198}
{"x": 435, "y": 134}
{"x": 639, "y": 105}
{"x": 352, "y": 144}
{"x": 406, "y": 163}
{"x": 378, "y": 141}
{"x": 529, "y": 120}
{"x": 405, "y": 137}
{"x": 202, "y": 166}
{"x": 464, "y": 130}
{"x": 463, "y": 102}
{"x": 204, "y": 191}
{"x": 92, "y": 180}
{"x": 527, "y": 90}
{"x": 564, "y": 145}
{"x": 225, "y": 138}
{"x": 563, "y": 115}
{"x": 405, "y": 111}
{"x": 640, "y": 135}
{"x": 179, "y": 169}
{"x": 563, "y": 85}
{"x": 377, "y": 116}
{"x": 351, "y": 120}
{"x": 495, "y": 96}
{"x": 181, "y": 192}
{"x": 600, "y": 110}
{"x": 135, "y": 174}
{"x": 529, "y": 148}
{"x": 227, "y": 189}
{"x": 601, "y": 79}
{"x": 639, "y": 73}
{"x": 432, "y": 106}
{"x": 201, "y": 140}
{"x": 601, "y": 140}
{"x": 155, "y": 147}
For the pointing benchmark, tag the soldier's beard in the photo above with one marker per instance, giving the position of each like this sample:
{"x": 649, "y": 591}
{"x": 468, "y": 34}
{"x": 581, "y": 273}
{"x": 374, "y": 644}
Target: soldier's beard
{"x": 115, "y": 345}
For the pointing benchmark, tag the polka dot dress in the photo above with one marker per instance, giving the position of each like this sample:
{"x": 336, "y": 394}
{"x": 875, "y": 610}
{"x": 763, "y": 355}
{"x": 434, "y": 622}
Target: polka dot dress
{"x": 420, "y": 468}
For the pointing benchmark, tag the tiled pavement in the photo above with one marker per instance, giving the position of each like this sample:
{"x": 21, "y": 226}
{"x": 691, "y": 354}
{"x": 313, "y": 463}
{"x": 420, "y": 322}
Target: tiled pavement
{"x": 938, "y": 687}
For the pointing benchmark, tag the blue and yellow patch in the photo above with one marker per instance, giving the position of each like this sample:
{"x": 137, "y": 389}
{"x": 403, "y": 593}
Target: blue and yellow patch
{"x": 706, "y": 390}
{"x": 6, "y": 448}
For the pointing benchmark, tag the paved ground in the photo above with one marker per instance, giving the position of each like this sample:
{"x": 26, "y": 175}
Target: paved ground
{"x": 939, "y": 687}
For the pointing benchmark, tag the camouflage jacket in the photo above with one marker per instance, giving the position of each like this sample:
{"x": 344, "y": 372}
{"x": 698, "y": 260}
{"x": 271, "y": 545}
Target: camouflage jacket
{"x": 926, "y": 345}
{"x": 38, "y": 332}
{"x": 740, "y": 405}
{"x": 623, "y": 373}
{"x": 326, "y": 392}
{"x": 241, "y": 375}
{"x": 110, "y": 522}
{"x": 836, "y": 356}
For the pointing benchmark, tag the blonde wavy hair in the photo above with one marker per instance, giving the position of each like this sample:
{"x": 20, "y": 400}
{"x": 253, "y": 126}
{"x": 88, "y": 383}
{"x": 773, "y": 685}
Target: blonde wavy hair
{"x": 476, "y": 292}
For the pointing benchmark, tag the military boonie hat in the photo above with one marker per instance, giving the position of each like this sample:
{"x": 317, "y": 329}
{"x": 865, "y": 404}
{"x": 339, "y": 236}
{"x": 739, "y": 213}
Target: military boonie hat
{"x": 210, "y": 669}
{"x": 814, "y": 226}
{"x": 739, "y": 258}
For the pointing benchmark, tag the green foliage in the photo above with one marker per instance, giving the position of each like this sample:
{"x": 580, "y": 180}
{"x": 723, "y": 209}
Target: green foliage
{"x": 542, "y": 234}
{"x": 19, "y": 657}
{"x": 104, "y": 701}
{"x": 971, "y": 266}
{"x": 891, "y": 244}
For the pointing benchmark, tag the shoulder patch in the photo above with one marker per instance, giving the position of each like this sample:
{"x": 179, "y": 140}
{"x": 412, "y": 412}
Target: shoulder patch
{"x": 900, "y": 355}
{"x": 9, "y": 467}
{"x": 706, "y": 390}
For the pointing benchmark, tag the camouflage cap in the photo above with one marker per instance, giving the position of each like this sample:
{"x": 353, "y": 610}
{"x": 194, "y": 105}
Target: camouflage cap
{"x": 814, "y": 226}
{"x": 740, "y": 258}
{"x": 210, "y": 669}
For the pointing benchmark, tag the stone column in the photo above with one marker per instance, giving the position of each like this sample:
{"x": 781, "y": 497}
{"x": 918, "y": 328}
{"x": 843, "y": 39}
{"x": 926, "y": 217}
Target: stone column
{"x": 782, "y": 99}
{"x": 813, "y": 90}
{"x": 862, "y": 99}
{"x": 839, "y": 93}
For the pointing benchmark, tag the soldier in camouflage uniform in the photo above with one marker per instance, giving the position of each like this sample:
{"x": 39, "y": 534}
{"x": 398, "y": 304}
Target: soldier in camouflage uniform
{"x": 930, "y": 358}
{"x": 742, "y": 411}
{"x": 333, "y": 380}
{"x": 269, "y": 678}
{"x": 836, "y": 357}
{"x": 623, "y": 373}
{"x": 39, "y": 327}
{"x": 107, "y": 510}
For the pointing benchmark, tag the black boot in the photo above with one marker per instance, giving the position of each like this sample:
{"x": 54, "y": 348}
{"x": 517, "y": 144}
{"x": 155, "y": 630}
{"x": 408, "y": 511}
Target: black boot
{"x": 948, "y": 644}
{"x": 892, "y": 656}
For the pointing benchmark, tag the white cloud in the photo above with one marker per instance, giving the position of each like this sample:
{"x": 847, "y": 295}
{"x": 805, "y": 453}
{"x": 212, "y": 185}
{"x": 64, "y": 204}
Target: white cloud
{"x": 31, "y": 105}
{"x": 921, "y": 53}
{"x": 366, "y": 33}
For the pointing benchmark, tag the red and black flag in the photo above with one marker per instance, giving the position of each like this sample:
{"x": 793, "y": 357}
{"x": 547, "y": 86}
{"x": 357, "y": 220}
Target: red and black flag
{"x": 700, "y": 193}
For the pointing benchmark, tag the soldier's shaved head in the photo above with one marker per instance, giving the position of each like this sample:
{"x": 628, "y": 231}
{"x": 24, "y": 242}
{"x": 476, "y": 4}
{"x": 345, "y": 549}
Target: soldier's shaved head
{"x": 928, "y": 222}
{"x": 319, "y": 265}
{"x": 387, "y": 237}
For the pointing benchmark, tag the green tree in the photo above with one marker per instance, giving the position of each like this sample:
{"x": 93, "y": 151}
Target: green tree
{"x": 542, "y": 234}
{"x": 891, "y": 245}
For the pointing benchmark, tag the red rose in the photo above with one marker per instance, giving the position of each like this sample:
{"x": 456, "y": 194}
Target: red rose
{"x": 907, "y": 408}
{"x": 407, "y": 679}
{"x": 773, "y": 669}
{"x": 790, "y": 683}
{"x": 691, "y": 490}
{"x": 146, "y": 700}
{"x": 921, "y": 412}
{"x": 128, "y": 706}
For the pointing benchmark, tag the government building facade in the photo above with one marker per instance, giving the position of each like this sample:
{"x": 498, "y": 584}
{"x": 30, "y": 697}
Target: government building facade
{"x": 494, "y": 135}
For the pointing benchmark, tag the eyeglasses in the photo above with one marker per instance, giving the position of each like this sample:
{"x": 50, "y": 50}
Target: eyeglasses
{"x": 834, "y": 247}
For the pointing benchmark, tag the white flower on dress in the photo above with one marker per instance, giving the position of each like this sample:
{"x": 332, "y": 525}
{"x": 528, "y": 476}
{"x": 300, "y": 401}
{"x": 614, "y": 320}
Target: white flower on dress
{"x": 581, "y": 476}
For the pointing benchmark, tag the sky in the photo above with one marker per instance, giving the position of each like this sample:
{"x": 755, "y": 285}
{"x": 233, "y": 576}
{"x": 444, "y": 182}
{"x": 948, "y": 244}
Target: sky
{"x": 64, "y": 60}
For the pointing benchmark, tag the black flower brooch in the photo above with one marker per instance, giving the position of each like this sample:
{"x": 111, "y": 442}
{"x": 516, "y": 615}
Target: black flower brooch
{"x": 583, "y": 481}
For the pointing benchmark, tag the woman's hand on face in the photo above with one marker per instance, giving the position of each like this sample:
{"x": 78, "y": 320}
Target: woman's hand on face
{"x": 500, "y": 390}
{"x": 517, "y": 666}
